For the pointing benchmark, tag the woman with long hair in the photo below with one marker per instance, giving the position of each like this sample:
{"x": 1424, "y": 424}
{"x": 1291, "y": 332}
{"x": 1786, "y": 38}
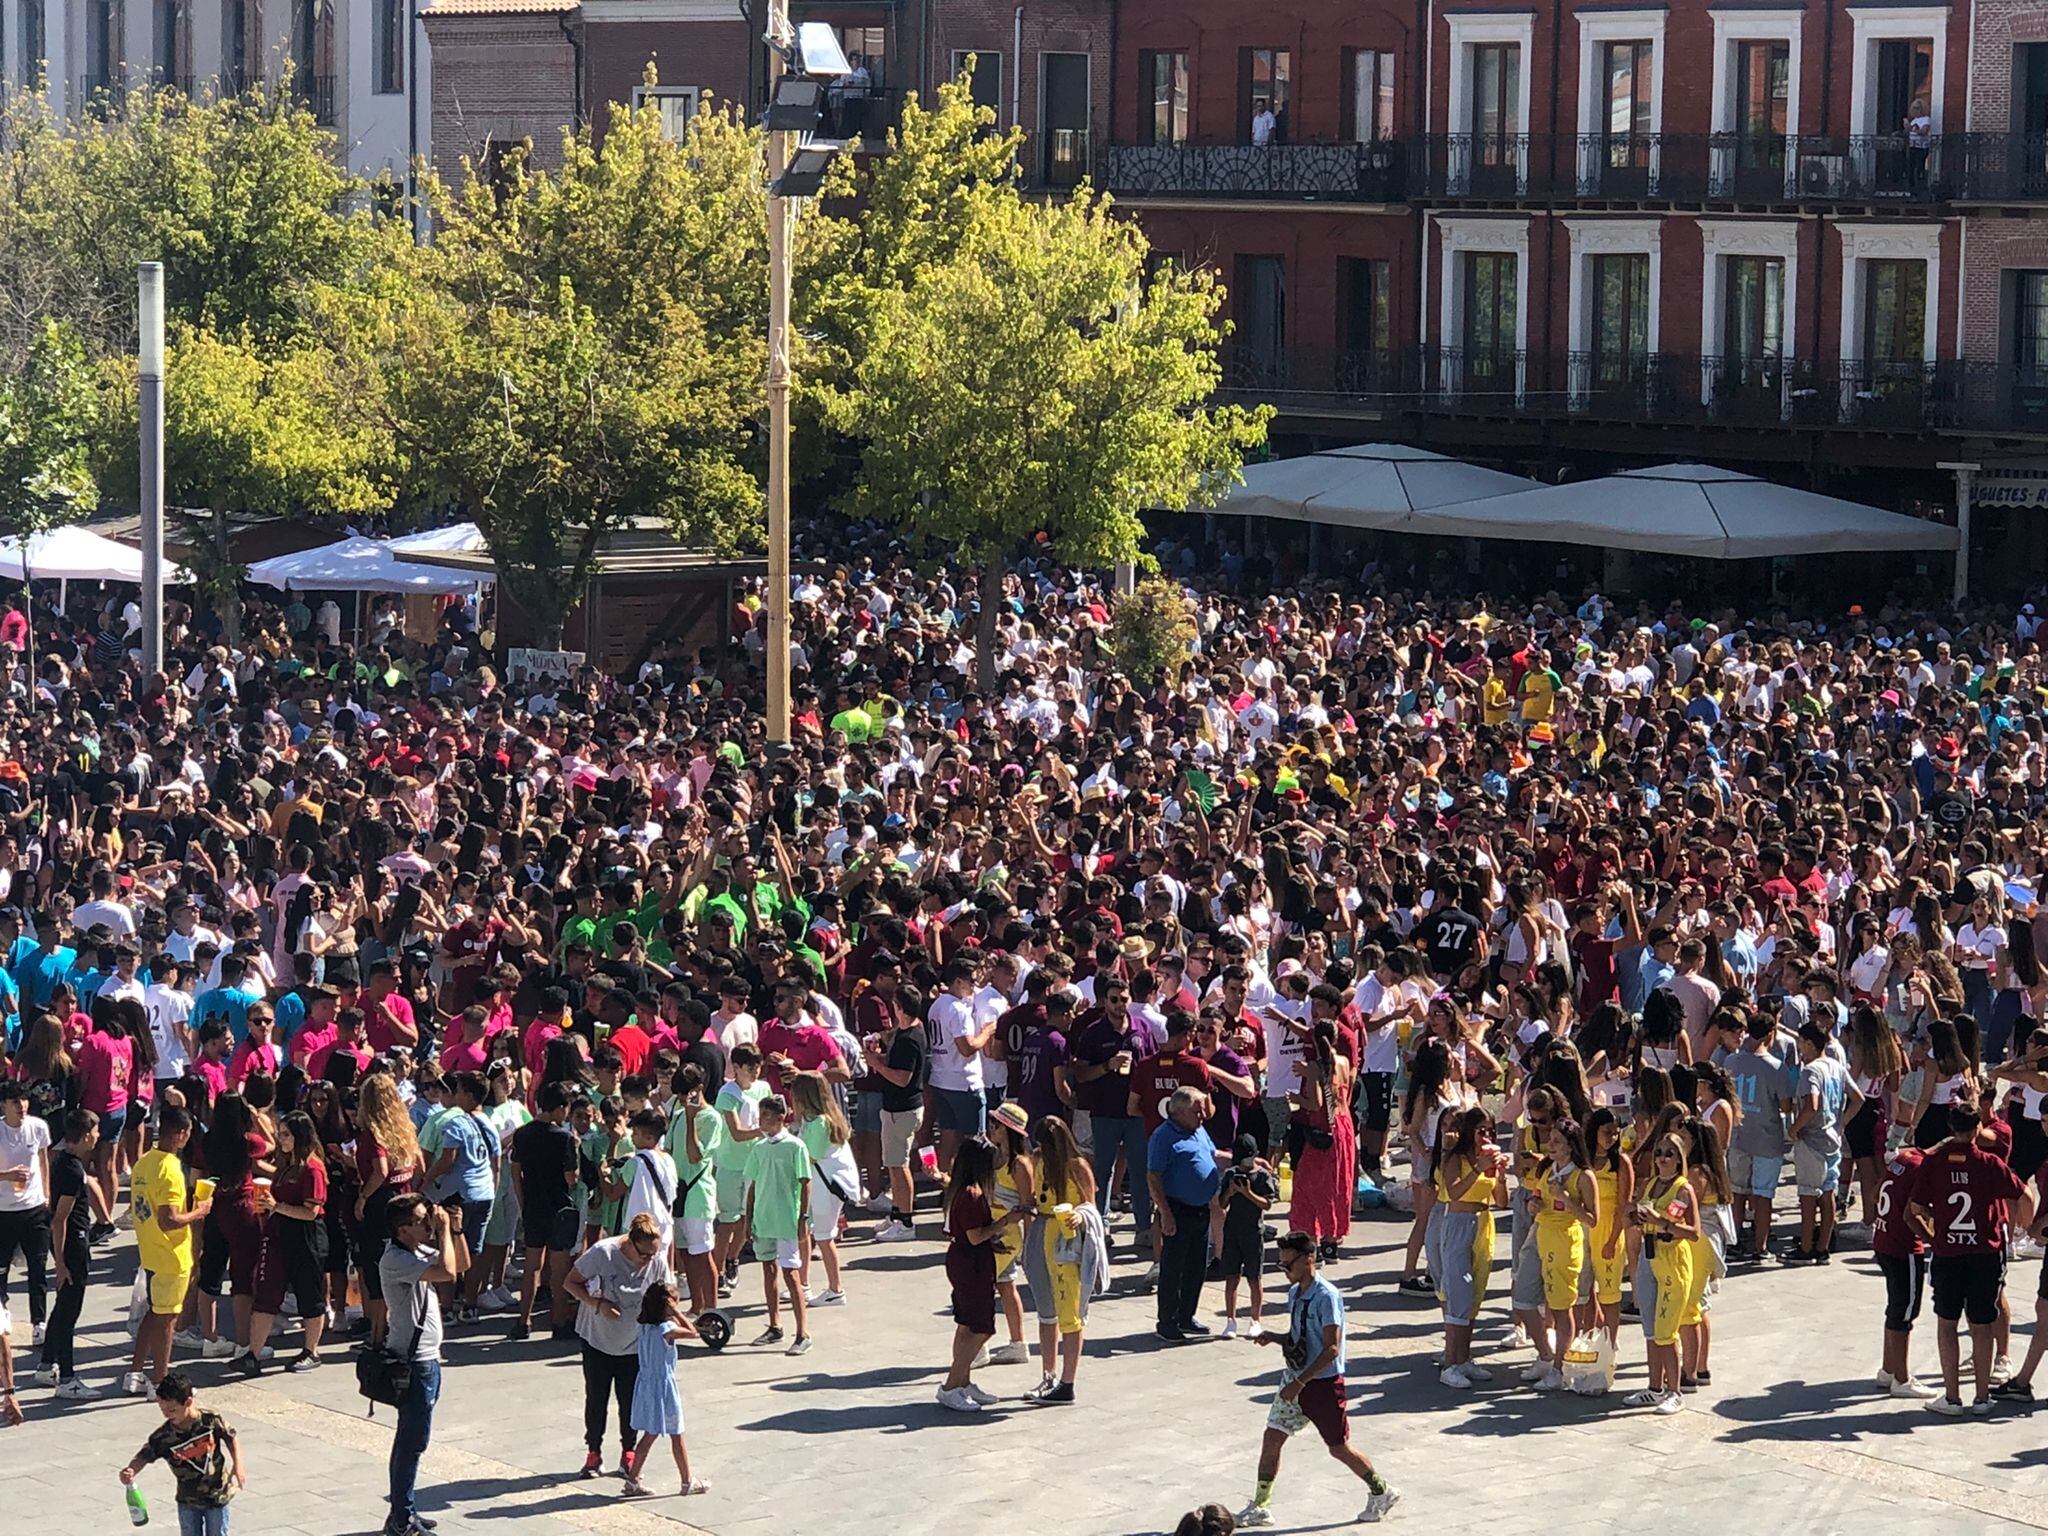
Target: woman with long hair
{"x": 1564, "y": 1073}
{"x": 1055, "y": 1259}
{"x": 388, "y": 1163}
{"x": 1013, "y": 1187}
{"x": 1876, "y": 1067}
{"x": 1614, "y": 1180}
{"x": 822, "y": 1128}
{"x": 105, "y": 1062}
{"x": 1706, "y": 1168}
{"x": 1667, "y": 1216}
{"x": 1606, "y": 1045}
{"x": 1326, "y": 1161}
{"x": 972, "y": 1229}
{"x": 1945, "y": 1070}
{"x": 1434, "y": 1086}
{"x": 1566, "y": 1205}
{"x": 237, "y": 1154}
{"x": 1469, "y": 1168}
{"x": 297, "y": 1205}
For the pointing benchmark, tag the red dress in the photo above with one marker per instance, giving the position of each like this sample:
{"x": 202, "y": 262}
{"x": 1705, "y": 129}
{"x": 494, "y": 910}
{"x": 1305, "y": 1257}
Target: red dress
{"x": 1324, "y": 1177}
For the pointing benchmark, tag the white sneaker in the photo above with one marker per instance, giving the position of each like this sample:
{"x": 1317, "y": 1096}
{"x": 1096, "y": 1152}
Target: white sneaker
{"x": 497, "y": 1299}
{"x": 44, "y": 1376}
{"x": 980, "y": 1359}
{"x": 1230, "y": 1328}
{"x": 878, "y": 1205}
{"x": 1377, "y": 1505}
{"x": 980, "y": 1394}
{"x": 895, "y": 1232}
{"x": 829, "y": 1299}
{"x": 2024, "y": 1247}
{"x": 1476, "y": 1372}
{"x": 1551, "y": 1380}
{"x": 1645, "y": 1398}
{"x": 958, "y": 1401}
{"x": 1882, "y": 1381}
{"x": 1908, "y": 1387}
{"x": 1669, "y": 1404}
{"x": 1254, "y": 1328}
{"x": 39, "y": 1332}
{"x": 1454, "y": 1376}
{"x": 189, "y": 1338}
{"x": 1520, "y": 1339}
{"x": 220, "y": 1349}
{"x": 1018, "y": 1353}
{"x": 1535, "y": 1371}
{"x": 135, "y": 1384}
{"x": 1947, "y": 1407}
{"x": 2001, "y": 1370}
{"x": 1253, "y": 1515}
{"x": 77, "y": 1390}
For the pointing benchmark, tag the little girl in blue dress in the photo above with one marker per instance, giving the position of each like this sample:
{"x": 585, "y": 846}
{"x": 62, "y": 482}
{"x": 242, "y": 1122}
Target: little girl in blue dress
{"x": 657, "y": 1399}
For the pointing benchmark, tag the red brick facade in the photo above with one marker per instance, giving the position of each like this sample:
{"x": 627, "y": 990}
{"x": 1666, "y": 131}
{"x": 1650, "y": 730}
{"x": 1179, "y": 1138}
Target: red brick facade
{"x": 498, "y": 80}
{"x": 989, "y": 29}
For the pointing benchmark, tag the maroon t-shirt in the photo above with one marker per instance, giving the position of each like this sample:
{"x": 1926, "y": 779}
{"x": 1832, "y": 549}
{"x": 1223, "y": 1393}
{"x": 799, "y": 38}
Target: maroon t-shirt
{"x": 1154, "y": 1078}
{"x": 1964, "y": 1188}
{"x": 1891, "y": 1233}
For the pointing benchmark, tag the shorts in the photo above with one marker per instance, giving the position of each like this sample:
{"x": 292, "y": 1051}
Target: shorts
{"x": 167, "y": 1290}
{"x": 1561, "y": 1260}
{"x": 1244, "y": 1255}
{"x": 1321, "y": 1403}
{"x": 867, "y": 1114}
{"x": 112, "y": 1123}
{"x": 1419, "y": 1170}
{"x": 1864, "y": 1134}
{"x": 825, "y": 1209}
{"x": 732, "y": 1194}
{"x": 787, "y": 1254}
{"x": 504, "y": 1221}
{"x": 1752, "y": 1175}
{"x": 899, "y": 1136}
{"x": 1966, "y": 1284}
{"x": 550, "y": 1227}
{"x": 213, "y": 1254}
{"x": 1377, "y": 1098}
{"x": 696, "y": 1235}
{"x": 1905, "y": 1283}
{"x": 961, "y": 1110}
{"x": 476, "y": 1221}
{"x": 1818, "y": 1173}
{"x": 1276, "y": 1122}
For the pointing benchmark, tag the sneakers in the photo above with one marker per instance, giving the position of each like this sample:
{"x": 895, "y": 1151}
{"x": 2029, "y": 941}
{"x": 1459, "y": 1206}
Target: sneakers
{"x": 1253, "y": 1515}
{"x": 829, "y": 1299}
{"x": 2024, "y": 1247}
{"x": 1059, "y": 1393}
{"x": 980, "y": 1394}
{"x": 1535, "y": 1371}
{"x": 1551, "y": 1380}
{"x": 247, "y": 1364}
{"x": 472, "y": 1314}
{"x": 189, "y": 1338}
{"x": 1416, "y": 1285}
{"x": 1455, "y": 1376}
{"x": 38, "y": 1333}
{"x": 2001, "y": 1369}
{"x": 800, "y": 1345}
{"x": 1018, "y": 1353}
{"x": 1644, "y": 1398}
{"x": 1919, "y": 1391}
{"x": 593, "y": 1465}
{"x": 1476, "y": 1372}
{"x": 303, "y": 1362}
{"x": 772, "y": 1334}
{"x": 1882, "y": 1380}
{"x": 877, "y": 1205}
{"x": 497, "y": 1299}
{"x": 1230, "y": 1328}
{"x": 1520, "y": 1338}
{"x": 1947, "y": 1407}
{"x": 894, "y": 1231}
{"x": 1669, "y": 1404}
{"x": 135, "y": 1384}
{"x": 520, "y": 1329}
{"x": 44, "y": 1376}
{"x": 75, "y": 1389}
{"x": 1194, "y": 1327}
{"x": 1377, "y": 1505}
{"x": 957, "y": 1400}
{"x": 2014, "y": 1391}
{"x": 220, "y": 1349}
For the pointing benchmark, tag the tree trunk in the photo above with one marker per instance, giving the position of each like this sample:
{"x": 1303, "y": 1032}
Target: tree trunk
{"x": 985, "y": 631}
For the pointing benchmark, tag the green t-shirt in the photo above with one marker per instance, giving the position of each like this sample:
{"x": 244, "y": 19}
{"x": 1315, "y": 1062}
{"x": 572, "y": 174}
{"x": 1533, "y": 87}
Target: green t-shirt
{"x": 578, "y": 930}
{"x": 816, "y": 1135}
{"x": 605, "y": 1213}
{"x": 430, "y": 1132}
{"x": 781, "y": 1166}
{"x": 744, "y": 1105}
{"x": 857, "y": 724}
{"x": 699, "y": 1189}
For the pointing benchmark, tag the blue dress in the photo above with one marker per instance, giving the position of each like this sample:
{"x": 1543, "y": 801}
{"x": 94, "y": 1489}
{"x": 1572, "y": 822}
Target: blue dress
{"x": 657, "y": 1399}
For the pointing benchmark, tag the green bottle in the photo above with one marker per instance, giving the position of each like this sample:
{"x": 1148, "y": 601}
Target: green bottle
{"x": 138, "y": 1511}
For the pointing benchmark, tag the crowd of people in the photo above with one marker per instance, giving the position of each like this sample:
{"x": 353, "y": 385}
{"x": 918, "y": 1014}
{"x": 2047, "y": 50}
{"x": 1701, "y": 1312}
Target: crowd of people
{"x": 385, "y": 997}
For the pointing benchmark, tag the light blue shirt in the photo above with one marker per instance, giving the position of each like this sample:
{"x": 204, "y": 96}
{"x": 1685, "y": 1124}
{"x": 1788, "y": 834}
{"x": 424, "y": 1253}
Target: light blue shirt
{"x": 1310, "y": 1310}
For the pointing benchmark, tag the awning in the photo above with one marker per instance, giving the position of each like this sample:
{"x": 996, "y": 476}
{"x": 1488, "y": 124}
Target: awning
{"x": 354, "y": 565}
{"x": 1691, "y": 509}
{"x": 76, "y": 554}
{"x": 457, "y": 539}
{"x": 1375, "y": 485}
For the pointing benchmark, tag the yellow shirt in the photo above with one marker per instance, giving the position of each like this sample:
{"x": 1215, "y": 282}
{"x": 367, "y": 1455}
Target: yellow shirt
{"x": 158, "y": 1184}
{"x": 1494, "y": 701}
{"x": 1539, "y": 694}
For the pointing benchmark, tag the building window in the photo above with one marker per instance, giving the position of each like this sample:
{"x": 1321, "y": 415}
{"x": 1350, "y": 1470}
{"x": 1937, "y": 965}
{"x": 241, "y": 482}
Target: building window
{"x": 1496, "y": 120}
{"x": 1368, "y": 100}
{"x": 1627, "y": 73}
{"x": 173, "y": 62}
{"x": 1753, "y": 309}
{"x": 388, "y": 40}
{"x": 1260, "y": 301}
{"x": 1264, "y": 74}
{"x": 1763, "y": 99}
{"x": 312, "y": 57}
{"x": 1164, "y": 114}
{"x": 985, "y": 85}
{"x": 102, "y": 47}
{"x": 1363, "y": 298}
{"x": 31, "y": 43}
{"x": 1488, "y": 338}
{"x": 1620, "y": 330}
{"x": 2030, "y": 325}
{"x": 235, "y": 38}
{"x": 1894, "y": 313}
{"x": 1063, "y": 115}
{"x": 676, "y": 103}
{"x": 866, "y": 49}
{"x": 2030, "y": 89}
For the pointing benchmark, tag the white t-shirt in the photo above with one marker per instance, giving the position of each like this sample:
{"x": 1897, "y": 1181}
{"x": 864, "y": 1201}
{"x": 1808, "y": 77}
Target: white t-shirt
{"x": 1284, "y": 1049}
{"x": 990, "y": 1004}
{"x": 22, "y": 1146}
{"x": 951, "y": 1019}
{"x": 119, "y": 920}
{"x": 1979, "y": 947}
{"x": 169, "y": 1010}
{"x": 740, "y": 1029}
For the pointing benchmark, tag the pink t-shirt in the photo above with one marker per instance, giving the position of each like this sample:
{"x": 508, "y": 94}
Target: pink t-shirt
{"x": 808, "y": 1045}
{"x": 105, "y": 1066}
{"x": 249, "y": 1058}
{"x": 215, "y": 1073}
{"x": 460, "y": 1055}
{"x": 316, "y": 1064}
{"x": 376, "y": 1030}
{"x": 534, "y": 1048}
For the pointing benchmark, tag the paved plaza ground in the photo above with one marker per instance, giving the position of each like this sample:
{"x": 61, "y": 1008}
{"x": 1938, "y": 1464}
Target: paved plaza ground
{"x": 1790, "y": 1438}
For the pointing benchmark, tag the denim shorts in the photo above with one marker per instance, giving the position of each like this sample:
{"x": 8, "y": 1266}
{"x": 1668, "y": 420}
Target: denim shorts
{"x": 960, "y": 1109}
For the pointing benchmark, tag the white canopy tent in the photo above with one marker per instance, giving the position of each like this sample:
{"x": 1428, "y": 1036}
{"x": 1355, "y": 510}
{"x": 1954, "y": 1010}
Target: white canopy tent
{"x": 355, "y": 565}
{"x": 1689, "y": 509}
{"x": 456, "y": 539}
{"x": 1375, "y": 485}
{"x": 75, "y": 554}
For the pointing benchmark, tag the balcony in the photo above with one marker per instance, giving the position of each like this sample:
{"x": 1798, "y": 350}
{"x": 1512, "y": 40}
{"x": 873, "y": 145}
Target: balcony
{"x": 1343, "y": 173}
{"x": 316, "y": 94}
{"x": 867, "y": 115}
{"x": 1880, "y": 169}
{"x": 2000, "y": 167}
{"x": 1065, "y": 157}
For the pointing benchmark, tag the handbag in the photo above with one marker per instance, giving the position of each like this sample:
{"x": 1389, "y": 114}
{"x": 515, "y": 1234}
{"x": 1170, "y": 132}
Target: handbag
{"x": 837, "y": 1190}
{"x": 382, "y": 1374}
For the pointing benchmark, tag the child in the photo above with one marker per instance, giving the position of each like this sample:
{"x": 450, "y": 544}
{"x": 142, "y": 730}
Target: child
{"x": 605, "y": 1144}
{"x": 778, "y": 1199}
{"x": 1249, "y": 1190}
{"x": 657, "y": 1398}
{"x": 823, "y": 1129}
{"x": 693, "y": 1139}
{"x": 204, "y": 1453}
{"x": 971, "y": 1230}
{"x": 738, "y": 1105}
{"x": 646, "y": 1178}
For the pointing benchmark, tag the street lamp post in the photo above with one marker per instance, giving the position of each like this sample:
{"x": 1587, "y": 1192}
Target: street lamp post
{"x": 150, "y": 374}
{"x": 1966, "y": 485}
{"x": 795, "y": 99}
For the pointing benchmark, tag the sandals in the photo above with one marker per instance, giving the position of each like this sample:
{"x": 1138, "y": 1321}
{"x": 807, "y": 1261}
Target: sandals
{"x": 697, "y": 1485}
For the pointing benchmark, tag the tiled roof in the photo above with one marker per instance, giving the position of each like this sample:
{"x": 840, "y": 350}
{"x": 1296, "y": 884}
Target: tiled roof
{"x": 497, "y": 7}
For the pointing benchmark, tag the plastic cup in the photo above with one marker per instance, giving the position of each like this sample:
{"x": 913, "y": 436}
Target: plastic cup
{"x": 202, "y": 1190}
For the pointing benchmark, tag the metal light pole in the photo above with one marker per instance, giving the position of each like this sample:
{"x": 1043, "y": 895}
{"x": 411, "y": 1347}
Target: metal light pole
{"x": 779, "y": 223}
{"x": 150, "y": 372}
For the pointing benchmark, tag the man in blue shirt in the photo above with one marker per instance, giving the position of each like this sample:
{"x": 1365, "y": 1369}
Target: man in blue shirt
{"x": 38, "y": 971}
{"x": 1182, "y": 1177}
{"x": 1311, "y": 1384}
{"x": 230, "y": 1000}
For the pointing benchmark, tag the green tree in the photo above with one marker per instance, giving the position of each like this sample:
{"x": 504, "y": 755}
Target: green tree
{"x": 49, "y": 404}
{"x": 1152, "y": 630}
{"x": 242, "y": 199}
{"x": 1034, "y": 382}
{"x": 577, "y": 349}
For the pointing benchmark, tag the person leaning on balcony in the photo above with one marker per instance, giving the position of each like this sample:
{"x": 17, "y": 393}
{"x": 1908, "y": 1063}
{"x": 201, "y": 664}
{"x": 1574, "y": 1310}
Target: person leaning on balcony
{"x": 1919, "y": 127}
{"x": 1264, "y": 125}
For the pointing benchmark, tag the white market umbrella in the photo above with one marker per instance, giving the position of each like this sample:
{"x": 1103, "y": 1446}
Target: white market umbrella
{"x": 456, "y": 539}
{"x": 355, "y": 564}
{"x": 75, "y": 554}
{"x": 1374, "y": 485}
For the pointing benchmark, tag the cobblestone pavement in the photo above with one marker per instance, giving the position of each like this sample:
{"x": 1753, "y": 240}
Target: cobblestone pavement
{"x": 1791, "y": 1437}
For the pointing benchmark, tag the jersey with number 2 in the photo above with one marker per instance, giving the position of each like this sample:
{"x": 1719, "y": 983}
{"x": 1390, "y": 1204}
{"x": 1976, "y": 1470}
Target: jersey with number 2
{"x": 1964, "y": 1189}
